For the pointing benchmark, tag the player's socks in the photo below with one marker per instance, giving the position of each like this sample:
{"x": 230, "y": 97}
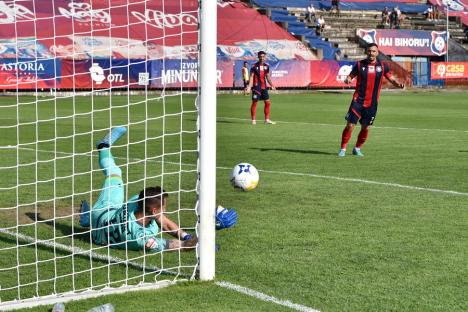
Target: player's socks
{"x": 357, "y": 152}
{"x": 342, "y": 153}
{"x": 253, "y": 110}
{"x": 266, "y": 109}
{"x": 362, "y": 137}
{"x": 111, "y": 137}
{"x": 345, "y": 136}
{"x": 84, "y": 213}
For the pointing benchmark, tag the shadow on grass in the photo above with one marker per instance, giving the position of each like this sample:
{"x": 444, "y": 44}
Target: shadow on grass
{"x": 79, "y": 233}
{"x": 10, "y": 238}
{"x": 463, "y": 151}
{"x": 292, "y": 150}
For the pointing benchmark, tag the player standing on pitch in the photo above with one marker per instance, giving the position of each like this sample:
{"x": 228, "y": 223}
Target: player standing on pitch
{"x": 259, "y": 76}
{"x": 363, "y": 108}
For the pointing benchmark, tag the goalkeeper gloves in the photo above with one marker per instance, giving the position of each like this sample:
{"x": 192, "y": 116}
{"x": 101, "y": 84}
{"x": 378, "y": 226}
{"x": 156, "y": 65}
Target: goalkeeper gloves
{"x": 225, "y": 218}
{"x": 187, "y": 236}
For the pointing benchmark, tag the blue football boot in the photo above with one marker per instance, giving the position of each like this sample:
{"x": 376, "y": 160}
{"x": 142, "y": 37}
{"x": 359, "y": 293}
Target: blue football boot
{"x": 84, "y": 214}
{"x": 111, "y": 137}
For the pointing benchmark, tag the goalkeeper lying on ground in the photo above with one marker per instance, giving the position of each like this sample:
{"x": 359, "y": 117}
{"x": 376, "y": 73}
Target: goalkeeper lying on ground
{"x": 135, "y": 225}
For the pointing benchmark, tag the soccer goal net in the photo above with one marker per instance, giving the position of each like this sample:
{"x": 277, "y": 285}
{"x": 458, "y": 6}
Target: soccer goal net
{"x": 70, "y": 72}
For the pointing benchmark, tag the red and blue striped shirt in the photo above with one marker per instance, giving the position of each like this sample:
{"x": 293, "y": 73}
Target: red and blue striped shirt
{"x": 369, "y": 81}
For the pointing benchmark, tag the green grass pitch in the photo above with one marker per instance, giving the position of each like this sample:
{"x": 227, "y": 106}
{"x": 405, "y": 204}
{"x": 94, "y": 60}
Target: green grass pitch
{"x": 386, "y": 232}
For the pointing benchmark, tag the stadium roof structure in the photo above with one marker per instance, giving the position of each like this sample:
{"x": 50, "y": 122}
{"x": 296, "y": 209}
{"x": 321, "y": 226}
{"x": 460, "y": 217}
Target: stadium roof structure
{"x": 131, "y": 29}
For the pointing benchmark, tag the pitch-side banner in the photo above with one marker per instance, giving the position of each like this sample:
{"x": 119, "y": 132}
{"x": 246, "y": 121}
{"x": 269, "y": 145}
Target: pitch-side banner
{"x": 29, "y": 74}
{"x": 184, "y": 74}
{"x": 282, "y": 73}
{"x": 103, "y": 74}
{"x": 329, "y": 74}
{"x": 133, "y": 29}
{"x": 449, "y": 70}
{"x": 407, "y": 42}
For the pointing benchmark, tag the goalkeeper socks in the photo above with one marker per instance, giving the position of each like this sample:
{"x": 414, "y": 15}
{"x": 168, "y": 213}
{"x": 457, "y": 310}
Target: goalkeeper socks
{"x": 266, "y": 110}
{"x": 107, "y": 163}
{"x": 253, "y": 110}
{"x": 345, "y": 136}
{"x": 362, "y": 136}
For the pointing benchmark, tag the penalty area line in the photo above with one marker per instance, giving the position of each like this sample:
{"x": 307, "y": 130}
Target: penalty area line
{"x": 342, "y": 125}
{"x": 409, "y": 187}
{"x": 402, "y": 186}
{"x": 264, "y": 297}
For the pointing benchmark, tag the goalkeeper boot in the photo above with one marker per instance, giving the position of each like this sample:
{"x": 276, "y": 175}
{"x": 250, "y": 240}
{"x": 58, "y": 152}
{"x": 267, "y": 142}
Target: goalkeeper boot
{"x": 111, "y": 137}
{"x": 84, "y": 213}
{"x": 357, "y": 152}
{"x": 342, "y": 153}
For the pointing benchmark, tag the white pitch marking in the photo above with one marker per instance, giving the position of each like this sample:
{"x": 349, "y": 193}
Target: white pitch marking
{"x": 334, "y": 125}
{"x": 94, "y": 255}
{"x": 410, "y": 187}
{"x": 264, "y": 297}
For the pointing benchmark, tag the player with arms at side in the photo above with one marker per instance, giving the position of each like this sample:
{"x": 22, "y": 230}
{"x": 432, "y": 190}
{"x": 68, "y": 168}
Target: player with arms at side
{"x": 259, "y": 76}
{"x": 245, "y": 76}
{"x": 370, "y": 73}
{"x": 135, "y": 225}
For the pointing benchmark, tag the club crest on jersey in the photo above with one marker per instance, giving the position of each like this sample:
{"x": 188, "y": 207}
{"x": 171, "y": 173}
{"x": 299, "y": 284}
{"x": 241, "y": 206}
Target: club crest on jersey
{"x": 367, "y": 35}
{"x": 439, "y": 42}
{"x": 378, "y": 69}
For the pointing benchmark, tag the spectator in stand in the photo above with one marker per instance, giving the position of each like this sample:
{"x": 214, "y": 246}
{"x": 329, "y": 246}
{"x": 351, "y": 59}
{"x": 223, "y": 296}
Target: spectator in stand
{"x": 320, "y": 24}
{"x": 385, "y": 17}
{"x": 310, "y": 15}
{"x": 435, "y": 12}
{"x": 395, "y": 18}
{"x": 429, "y": 13}
{"x": 335, "y": 4}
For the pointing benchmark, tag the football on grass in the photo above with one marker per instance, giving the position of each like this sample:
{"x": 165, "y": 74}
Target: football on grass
{"x": 244, "y": 176}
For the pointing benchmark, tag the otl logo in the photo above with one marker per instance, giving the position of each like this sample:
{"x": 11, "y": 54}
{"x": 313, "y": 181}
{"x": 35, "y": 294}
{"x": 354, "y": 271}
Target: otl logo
{"x": 97, "y": 73}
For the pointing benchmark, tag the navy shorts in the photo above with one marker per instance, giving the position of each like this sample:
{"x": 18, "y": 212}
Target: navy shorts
{"x": 260, "y": 95}
{"x": 365, "y": 115}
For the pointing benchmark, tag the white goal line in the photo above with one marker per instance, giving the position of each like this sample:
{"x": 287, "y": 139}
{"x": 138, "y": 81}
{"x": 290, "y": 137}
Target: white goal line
{"x": 117, "y": 290}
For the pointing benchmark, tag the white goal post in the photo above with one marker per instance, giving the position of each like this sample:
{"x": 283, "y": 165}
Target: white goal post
{"x": 71, "y": 71}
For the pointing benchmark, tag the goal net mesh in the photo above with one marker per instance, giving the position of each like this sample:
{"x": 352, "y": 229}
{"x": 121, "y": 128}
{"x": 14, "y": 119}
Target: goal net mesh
{"x": 70, "y": 72}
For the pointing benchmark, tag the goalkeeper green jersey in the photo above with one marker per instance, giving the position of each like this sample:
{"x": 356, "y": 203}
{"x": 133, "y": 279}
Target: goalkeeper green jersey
{"x": 119, "y": 228}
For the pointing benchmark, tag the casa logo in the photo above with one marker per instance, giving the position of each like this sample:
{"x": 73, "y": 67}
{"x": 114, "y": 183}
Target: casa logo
{"x": 450, "y": 70}
{"x": 441, "y": 70}
{"x": 368, "y": 35}
{"x": 439, "y": 42}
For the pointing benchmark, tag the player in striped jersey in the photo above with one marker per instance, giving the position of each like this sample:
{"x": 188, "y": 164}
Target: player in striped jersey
{"x": 259, "y": 76}
{"x": 369, "y": 73}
